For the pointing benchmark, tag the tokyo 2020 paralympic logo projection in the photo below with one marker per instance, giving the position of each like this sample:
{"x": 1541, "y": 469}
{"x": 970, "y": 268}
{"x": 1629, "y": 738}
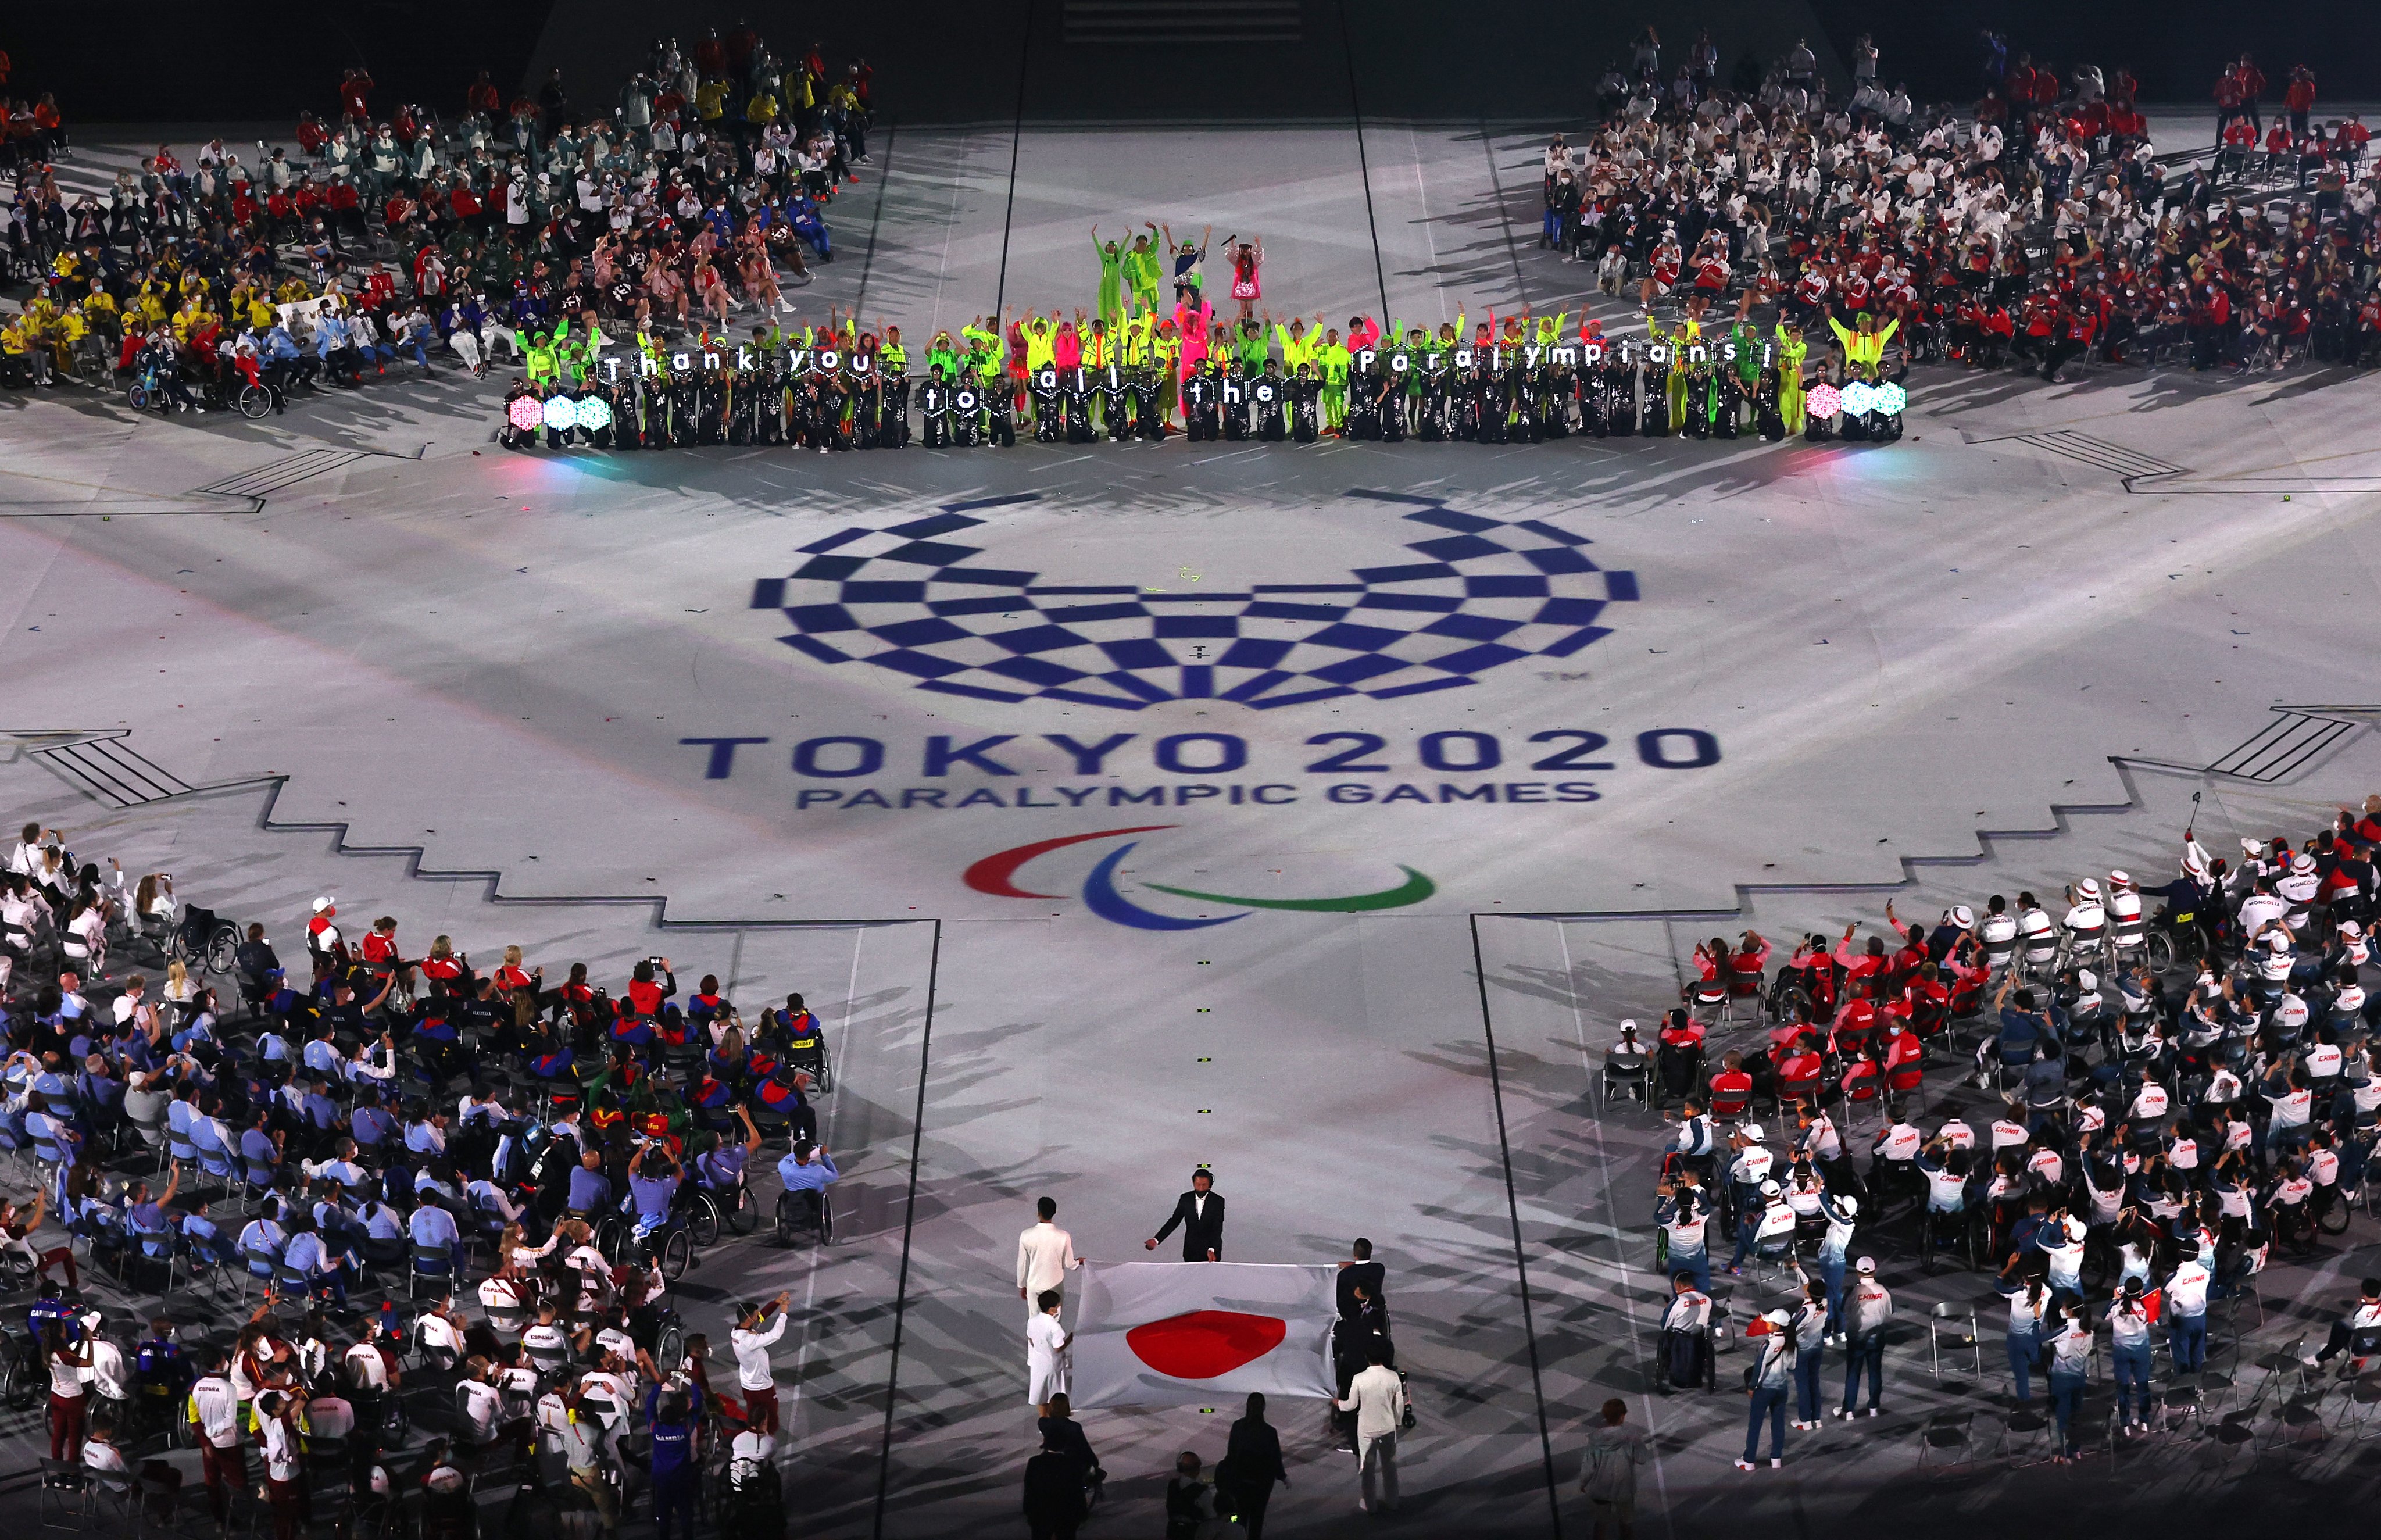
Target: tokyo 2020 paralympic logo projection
{"x": 1477, "y": 595}
{"x": 998, "y": 874}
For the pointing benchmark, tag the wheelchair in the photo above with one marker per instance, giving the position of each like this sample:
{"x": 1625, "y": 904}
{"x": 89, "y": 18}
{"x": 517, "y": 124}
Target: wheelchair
{"x": 805, "y": 1212}
{"x": 1961, "y": 1233}
{"x": 750, "y": 1502}
{"x": 1687, "y": 1359}
{"x": 671, "y": 1243}
{"x": 738, "y": 1213}
{"x": 808, "y": 1054}
{"x": 204, "y": 941}
{"x": 1677, "y": 1074}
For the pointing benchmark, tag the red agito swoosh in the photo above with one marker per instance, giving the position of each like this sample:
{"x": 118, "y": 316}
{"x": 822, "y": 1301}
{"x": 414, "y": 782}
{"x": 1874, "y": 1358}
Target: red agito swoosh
{"x": 996, "y": 873}
{"x": 1205, "y": 1343}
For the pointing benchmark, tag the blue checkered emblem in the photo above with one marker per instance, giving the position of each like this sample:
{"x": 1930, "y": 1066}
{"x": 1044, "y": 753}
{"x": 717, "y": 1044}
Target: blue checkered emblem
{"x": 1478, "y": 594}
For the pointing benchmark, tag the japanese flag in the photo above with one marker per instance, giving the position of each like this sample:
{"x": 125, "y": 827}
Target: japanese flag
{"x": 1191, "y": 1333}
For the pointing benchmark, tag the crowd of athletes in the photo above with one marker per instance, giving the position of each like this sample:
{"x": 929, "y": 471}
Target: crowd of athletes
{"x": 1778, "y": 239}
{"x": 462, "y": 1192}
{"x": 2177, "y": 1086}
{"x": 388, "y": 235}
{"x": 2035, "y": 227}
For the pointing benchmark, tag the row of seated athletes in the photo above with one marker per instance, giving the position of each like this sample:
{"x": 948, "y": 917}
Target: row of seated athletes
{"x": 2293, "y": 918}
{"x": 255, "y": 1109}
{"x": 638, "y": 1180}
{"x": 1518, "y": 404}
{"x": 2296, "y": 1044}
{"x": 609, "y": 1391}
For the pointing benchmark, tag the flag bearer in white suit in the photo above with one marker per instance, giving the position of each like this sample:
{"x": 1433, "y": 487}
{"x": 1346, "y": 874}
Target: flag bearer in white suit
{"x": 1377, "y": 1397}
{"x": 1045, "y": 1353}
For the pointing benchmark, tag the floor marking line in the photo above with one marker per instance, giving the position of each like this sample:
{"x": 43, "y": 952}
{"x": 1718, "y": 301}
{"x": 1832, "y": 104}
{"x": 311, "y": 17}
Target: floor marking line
{"x": 1520, "y": 1256}
{"x": 1364, "y": 165}
{"x": 1009, "y": 218}
{"x": 908, "y": 1229}
{"x": 1604, "y": 1172}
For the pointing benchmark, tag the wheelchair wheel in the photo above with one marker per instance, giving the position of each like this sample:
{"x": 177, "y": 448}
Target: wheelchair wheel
{"x": 2333, "y": 1219}
{"x": 745, "y": 1217}
{"x": 669, "y": 1348}
{"x": 703, "y": 1223}
{"x": 609, "y": 1236}
{"x": 824, "y": 1075}
{"x": 137, "y": 396}
{"x": 826, "y": 1221}
{"x": 255, "y": 402}
{"x": 223, "y": 948}
{"x": 677, "y": 1251}
{"x": 2159, "y": 951}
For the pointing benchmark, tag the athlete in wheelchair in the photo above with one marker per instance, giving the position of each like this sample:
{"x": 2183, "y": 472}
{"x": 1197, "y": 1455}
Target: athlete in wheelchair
{"x": 795, "y": 1034}
{"x": 1677, "y": 1058}
{"x": 1950, "y": 1221}
{"x": 1686, "y": 1346}
{"x": 660, "y": 1203}
{"x": 804, "y": 1208}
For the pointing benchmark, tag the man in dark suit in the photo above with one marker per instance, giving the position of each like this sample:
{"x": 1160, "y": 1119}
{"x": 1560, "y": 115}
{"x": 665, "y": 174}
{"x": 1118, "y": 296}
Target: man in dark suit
{"x": 1053, "y": 1495}
{"x": 1199, "y": 1212}
{"x": 1364, "y": 1270}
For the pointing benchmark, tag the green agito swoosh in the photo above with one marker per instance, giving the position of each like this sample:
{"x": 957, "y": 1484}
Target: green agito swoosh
{"x": 1413, "y": 890}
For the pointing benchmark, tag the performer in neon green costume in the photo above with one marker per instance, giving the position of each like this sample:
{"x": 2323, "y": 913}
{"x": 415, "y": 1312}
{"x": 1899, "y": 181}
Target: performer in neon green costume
{"x": 1142, "y": 265}
{"x": 1791, "y": 351}
{"x": 1111, "y": 255}
{"x": 1677, "y": 340}
{"x": 1333, "y": 361}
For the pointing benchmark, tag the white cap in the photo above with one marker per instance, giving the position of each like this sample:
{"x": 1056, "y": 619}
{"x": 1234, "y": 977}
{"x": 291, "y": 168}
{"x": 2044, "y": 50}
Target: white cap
{"x": 2085, "y": 978}
{"x": 1778, "y": 1318}
{"x": 2251, "y": 846}
{"x": 2088, "y": 887}
{"x": 2076, "y": 1229}
{"x": 1848, "y": 1205}
{"x": 1752, "y": 1132}
{"x": 1770, "y": 1189}
{"x": 1629, "y": 1024}
{"x": 322, "y": 903}
{"x": 2278, "y": 942}
{"x": 1865, "y": 1267}
{"x": 1962, "y": 916}
{"x": 2302, "y": 863}
{"x": 2121, "y": 879}
{"x": 2351, "y": 930}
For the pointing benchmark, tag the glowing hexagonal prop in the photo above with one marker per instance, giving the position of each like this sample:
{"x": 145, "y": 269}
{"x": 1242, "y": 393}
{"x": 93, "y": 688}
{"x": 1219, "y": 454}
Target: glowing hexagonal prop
{"x": 1859, "y": 396}
{"x": 525, "y": 412}
{"x": 594, "y": 412}
{"x": 561, "y": 412}
{"x": 1825, "y": 401}
{"x": 1890, "y": 400}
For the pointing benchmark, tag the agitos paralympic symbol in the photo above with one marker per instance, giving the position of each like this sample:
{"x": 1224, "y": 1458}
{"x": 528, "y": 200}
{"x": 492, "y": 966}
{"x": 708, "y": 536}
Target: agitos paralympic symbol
{"x": 996, "y": 875}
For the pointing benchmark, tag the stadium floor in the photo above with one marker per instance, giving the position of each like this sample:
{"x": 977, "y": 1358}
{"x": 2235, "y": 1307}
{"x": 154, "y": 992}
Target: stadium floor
{"x": 1797, "y": 670}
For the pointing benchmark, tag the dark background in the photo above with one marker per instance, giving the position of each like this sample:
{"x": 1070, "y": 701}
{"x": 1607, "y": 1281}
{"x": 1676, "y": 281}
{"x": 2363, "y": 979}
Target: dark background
{"x": 976, "y": 60}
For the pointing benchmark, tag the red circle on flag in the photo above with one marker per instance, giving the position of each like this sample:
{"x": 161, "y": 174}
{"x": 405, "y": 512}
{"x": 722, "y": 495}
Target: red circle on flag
{"x": 1205, "y": 1343}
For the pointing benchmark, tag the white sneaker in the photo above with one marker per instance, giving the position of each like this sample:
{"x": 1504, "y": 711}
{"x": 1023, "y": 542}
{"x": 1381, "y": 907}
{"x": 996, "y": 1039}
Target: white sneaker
{"x": 1745, "y": 1465}
{"x": 1776, "y": 1464}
